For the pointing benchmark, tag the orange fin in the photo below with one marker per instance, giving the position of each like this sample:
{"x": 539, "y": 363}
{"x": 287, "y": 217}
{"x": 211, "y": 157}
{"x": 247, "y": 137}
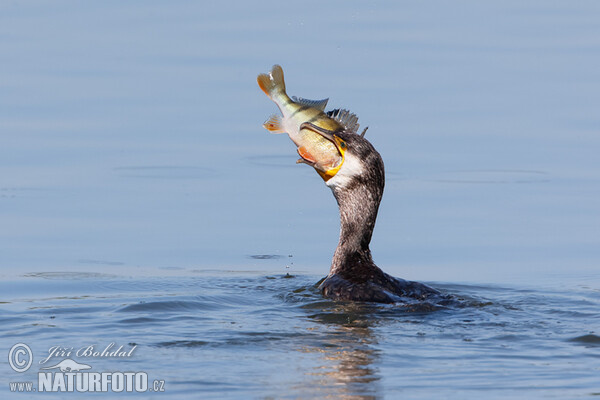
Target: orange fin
{"x": 271, "y": 82}
{"x": 273, "y": 124}
{"x": 306, "y": 155}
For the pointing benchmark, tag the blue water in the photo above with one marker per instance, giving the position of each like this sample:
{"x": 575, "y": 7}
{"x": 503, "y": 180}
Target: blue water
{"x": 142, "y": 203}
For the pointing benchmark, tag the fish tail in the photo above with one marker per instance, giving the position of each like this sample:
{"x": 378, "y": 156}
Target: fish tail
{"x": 272, "y": 83}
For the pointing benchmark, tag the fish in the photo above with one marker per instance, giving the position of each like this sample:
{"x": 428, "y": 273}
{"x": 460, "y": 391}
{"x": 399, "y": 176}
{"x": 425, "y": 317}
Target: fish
{"x": 307, "y": 125}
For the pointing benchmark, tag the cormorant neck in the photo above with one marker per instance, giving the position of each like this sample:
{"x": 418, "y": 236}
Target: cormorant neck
{"x": 358, "y": 203}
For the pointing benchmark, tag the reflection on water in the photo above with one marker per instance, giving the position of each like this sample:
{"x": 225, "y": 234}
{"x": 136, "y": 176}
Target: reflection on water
{"x": 251, "y": 335}
{"x": 587, "y": 340}
{"x": 349, "y": 359}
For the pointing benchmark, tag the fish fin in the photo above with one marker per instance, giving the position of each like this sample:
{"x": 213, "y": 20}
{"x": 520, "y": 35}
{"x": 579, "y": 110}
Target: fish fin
{"x": 319, "y": 104}
{"x": 346, "y": 118}
{"x": 273, "y": 124}
{"x": 307, "y": 158}
{"x": 269, "y": 83}
{"x": 319, "y": 167}
{"x": 316, "y": 166}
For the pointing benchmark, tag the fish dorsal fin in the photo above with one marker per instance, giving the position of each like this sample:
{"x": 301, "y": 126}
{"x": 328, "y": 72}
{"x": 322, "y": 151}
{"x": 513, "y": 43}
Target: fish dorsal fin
{"x": 347, "y": 119}
{"x": 319, "y": 104}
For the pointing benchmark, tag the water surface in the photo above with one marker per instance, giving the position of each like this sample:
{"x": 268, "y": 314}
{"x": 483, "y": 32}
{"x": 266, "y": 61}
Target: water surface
{"x": 141, "y": 201}
{"x": 205, "y": 338}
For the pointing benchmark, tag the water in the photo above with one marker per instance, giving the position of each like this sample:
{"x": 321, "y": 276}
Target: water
{"x": 141, "y": 202}
{"x": 230, "y": 335}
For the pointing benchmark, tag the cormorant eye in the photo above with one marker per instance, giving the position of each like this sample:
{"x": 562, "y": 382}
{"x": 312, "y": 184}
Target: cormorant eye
{"x": 343, "y": 145}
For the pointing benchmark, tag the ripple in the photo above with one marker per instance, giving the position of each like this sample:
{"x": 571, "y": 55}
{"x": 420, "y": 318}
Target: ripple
{"x": 482, "y": 176}
{"x": 280, "y": 320}
{"x": 100, "y": 262}
{"x": 68, "y": 275}
{"x": 493, "y": 176}
{"x": 139, "y": 320}
{"x": 272, "y": 161}
{"x": 12, "y": 192}
{"x": 165, "y": 172}
{"x": 171, "y": 305}
{"x": 267, "y": 256}
{"x": 183, "y": 343}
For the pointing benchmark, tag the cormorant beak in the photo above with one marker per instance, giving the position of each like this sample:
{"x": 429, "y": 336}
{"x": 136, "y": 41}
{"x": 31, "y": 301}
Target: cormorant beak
{"x": 331, "y": 164}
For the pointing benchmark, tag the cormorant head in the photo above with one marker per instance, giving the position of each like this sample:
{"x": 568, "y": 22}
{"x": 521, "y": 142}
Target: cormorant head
{"x": 357, "y": 164}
